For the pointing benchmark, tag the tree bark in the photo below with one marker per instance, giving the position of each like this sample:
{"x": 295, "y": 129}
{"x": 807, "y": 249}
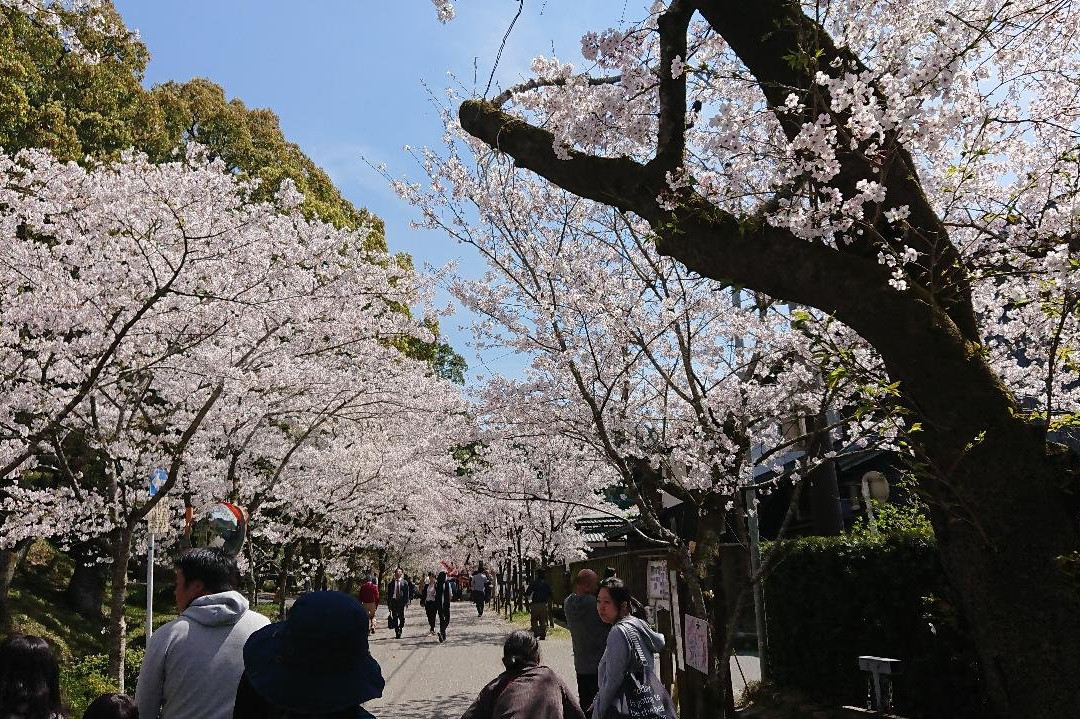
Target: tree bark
{"x": 10, "y": 559}
{"x": 117, "y": 626}
{"x": 85, "y": 592}
{"x": 283, "y": 578}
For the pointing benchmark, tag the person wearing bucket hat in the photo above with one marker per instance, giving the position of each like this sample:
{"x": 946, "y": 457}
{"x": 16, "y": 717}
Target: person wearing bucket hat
{"x": 316, "y": 663}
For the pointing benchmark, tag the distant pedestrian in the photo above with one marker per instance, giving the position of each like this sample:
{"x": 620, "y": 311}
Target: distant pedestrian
{"x": 480, "y": 584}
{"x": 427, "y": 595}
{"x": 29, "y": 679}
{"x": 398, "y": 595}
{"x": 316, "y": 663}
{"x": 193, "y": 663}
{"x": 444, "y": 590}
{"x": 588, "y": 634}
{"x": 369, "y": 597}
{"x": 527, "y": 689}
{"x": 112, "y": 706}
{"x": 631, "y": 648}
{"x": 539, "y": 594}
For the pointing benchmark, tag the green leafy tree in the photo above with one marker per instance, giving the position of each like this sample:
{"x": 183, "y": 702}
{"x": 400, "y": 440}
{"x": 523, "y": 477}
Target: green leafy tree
{"x": 88, "y": 112}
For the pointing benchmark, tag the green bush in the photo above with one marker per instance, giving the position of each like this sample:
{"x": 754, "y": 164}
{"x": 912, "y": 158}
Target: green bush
{"x": 831, "y": 599}
{"x": 84, "y": 680}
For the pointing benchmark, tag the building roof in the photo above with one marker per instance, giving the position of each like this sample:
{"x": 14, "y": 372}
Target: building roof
{"x": 600, "y": 529}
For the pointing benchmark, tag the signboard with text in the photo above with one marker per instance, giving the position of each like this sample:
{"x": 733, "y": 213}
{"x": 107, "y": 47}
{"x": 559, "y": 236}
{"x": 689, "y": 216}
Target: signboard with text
{"x": 696, "y": 643}
{"x": 658, "y": 580}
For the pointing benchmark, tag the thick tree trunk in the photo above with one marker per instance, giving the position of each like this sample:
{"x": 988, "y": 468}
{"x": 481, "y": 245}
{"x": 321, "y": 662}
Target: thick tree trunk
{"x": 283, "y": 579}
{"x": 705, "y": 695}
{"x": 1000, "y": 526}
{"x": 10, "y": 559}
{"x": 117, "y": 626}
{"x": 85, "y": 592}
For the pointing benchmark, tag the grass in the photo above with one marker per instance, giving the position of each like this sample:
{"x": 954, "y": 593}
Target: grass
{"x": 521, "y": 620}
{"x": 38, "y": 607}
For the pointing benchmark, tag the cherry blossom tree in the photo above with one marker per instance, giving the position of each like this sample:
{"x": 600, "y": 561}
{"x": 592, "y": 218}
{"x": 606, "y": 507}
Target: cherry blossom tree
{"x": 154, "y": 317}
{"x": 909, "y": 169}
{"x": 677, "y": 385}
{"x": 531, "y": 489}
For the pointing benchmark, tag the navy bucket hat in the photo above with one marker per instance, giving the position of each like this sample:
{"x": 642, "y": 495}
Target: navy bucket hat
{"x": 317, "y": 660}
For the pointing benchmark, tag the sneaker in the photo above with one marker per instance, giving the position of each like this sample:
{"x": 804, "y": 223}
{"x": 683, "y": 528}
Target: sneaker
{"x": 442, "y": 637}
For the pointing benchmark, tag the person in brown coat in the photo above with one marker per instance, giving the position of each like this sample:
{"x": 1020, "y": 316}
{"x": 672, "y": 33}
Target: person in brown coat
{"x": 527, "y": 689}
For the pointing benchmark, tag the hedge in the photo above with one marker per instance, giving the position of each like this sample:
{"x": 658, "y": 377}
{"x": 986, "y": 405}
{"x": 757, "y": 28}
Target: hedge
{"x": 831, "y": 599}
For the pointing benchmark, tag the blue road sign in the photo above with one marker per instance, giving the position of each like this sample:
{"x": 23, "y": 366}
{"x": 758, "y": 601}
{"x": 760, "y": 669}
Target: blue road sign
{"x": 157, "y": 480}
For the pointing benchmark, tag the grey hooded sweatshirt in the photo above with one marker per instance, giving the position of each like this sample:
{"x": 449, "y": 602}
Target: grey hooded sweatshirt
{"x": 193, "y": 664}
{"x": 617, "y": 660}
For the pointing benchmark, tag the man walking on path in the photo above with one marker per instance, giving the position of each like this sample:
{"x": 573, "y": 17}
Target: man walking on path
{"x": 539, "y": 594}
{"x": 193, "y": 664}
{"x": 427, "y": 597}
{"x": 479, "y": 589}
{"x": 369, "y": 597}
{"x": 588, "y": 633}
{"x": 397, "y": 598}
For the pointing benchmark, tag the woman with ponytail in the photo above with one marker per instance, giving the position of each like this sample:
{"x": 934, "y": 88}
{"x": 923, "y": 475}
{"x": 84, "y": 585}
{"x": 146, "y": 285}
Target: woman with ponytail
{"x": 527, "y": 689}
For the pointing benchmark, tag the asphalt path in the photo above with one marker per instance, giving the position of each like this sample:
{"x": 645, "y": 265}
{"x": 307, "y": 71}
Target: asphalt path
{"x": 429, "y": 680}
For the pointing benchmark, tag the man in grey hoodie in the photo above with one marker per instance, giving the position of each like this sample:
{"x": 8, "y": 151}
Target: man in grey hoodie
{"x": 588, "y": 633}
{"x": 193, "y": 664}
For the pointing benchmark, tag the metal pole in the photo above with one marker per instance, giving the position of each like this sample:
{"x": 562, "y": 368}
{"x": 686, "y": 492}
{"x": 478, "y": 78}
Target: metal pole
{"x": 149, "y": 584}
{"x": 759, "y": 594}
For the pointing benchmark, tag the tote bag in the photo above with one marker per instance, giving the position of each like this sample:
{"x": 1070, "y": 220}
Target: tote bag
{"x": 641, "y": 696}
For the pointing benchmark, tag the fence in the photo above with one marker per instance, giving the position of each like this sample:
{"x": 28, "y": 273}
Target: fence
{"x": 631, "y": 567}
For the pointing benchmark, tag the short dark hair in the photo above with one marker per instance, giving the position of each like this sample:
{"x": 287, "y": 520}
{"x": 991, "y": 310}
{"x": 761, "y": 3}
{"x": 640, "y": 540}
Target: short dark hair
{"x": 112, "y": 706}
{"x": 30, "y": 676}
{"x": 215, "y": 569}
{"x": 609, "y": 572}
{"x": 520, "y": 650}
{"x": 618, "y": 591}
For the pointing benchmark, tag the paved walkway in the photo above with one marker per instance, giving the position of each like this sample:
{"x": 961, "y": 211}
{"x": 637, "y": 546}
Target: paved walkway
{"x": 429, "y": 680}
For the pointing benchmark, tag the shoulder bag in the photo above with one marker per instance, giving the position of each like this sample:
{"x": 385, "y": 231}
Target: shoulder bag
{"x": 642, "y": 696}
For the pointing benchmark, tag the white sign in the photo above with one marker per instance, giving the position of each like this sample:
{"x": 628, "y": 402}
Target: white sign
{"x": 696, "y": 643}
{"x": 658, "y": 580}
{"x": 157, "y": 519}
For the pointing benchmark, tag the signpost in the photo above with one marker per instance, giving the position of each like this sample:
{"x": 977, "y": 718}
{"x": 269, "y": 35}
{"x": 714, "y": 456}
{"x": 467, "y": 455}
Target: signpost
{"x": 157, "y": 517}
{"x": 676, "y": 619}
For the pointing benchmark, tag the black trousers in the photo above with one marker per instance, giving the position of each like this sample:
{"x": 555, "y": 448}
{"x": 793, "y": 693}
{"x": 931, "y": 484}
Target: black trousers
{"x": 432, "y": 610}
{"x": 479, "y": 598}
{"x": 444, "y": 617}
{"x": 587, "y": 686}
{"x": 397, "y": 611}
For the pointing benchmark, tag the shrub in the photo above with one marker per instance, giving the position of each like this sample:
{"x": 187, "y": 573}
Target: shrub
{"x": 84, "y": 680}
{"x": 831, "y": 599}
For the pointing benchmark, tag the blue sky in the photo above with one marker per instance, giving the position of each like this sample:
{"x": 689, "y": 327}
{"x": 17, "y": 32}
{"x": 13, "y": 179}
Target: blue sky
{"x": 347, "y": 77}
